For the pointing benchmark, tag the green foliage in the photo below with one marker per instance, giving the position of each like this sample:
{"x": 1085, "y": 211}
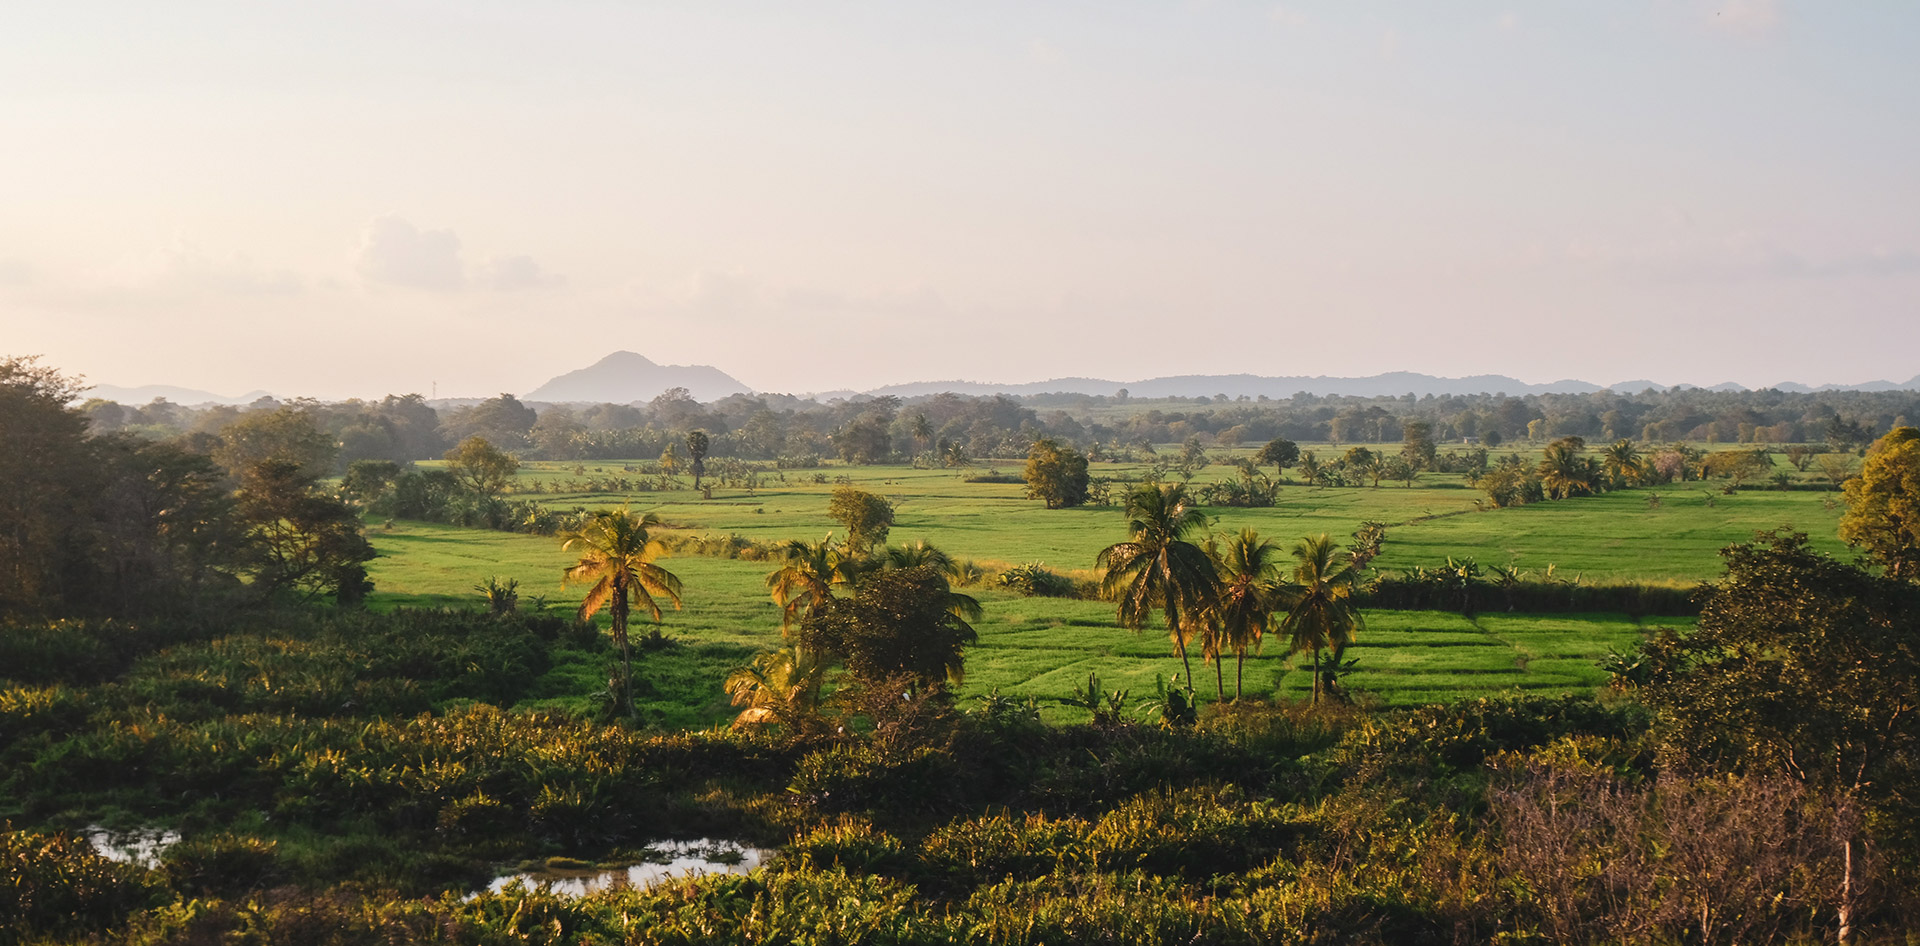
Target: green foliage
{"x": 1034, "y": 579}
{"x": 480, "y": 467}
{"x": 866, "y": 516}
{"x": 1800, "y": 663}
{"x": 303, "y": 542}
{"x": 55, "y": 885}
{"x": 901, "y": 623}
{"x": 1883, "y": 504}
{"x": 1056, "y": 474}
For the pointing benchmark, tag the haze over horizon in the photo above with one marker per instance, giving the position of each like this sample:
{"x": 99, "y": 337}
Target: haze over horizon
{"x": 371, "y": 198}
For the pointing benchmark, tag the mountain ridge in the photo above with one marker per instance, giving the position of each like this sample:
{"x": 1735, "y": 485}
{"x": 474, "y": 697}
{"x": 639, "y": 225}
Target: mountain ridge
{"x": 625, "y": 377}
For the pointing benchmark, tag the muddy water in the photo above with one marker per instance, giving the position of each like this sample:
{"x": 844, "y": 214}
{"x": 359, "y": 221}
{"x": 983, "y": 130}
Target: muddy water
{"x": 140, "y": 847}
{"x": 667, "y": 860}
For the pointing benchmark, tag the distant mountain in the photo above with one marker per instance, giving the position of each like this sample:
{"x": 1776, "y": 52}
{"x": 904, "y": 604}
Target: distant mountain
{"x": 1393, "y": 383}
{"x": 624, "y": 377}
{"x": 146, "y": 393}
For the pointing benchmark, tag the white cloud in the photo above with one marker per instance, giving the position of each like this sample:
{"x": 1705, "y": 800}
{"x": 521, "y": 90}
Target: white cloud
{"x": 394, "y": 252}
{"x": 510, "y": 273}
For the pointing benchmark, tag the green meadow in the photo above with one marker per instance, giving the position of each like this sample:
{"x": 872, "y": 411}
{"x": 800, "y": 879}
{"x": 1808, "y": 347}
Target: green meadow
{"x": 1046, "y": 647}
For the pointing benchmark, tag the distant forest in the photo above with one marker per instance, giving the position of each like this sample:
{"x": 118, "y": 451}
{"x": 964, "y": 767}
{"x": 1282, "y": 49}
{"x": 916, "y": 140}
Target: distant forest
{"x": 799, "y": 432}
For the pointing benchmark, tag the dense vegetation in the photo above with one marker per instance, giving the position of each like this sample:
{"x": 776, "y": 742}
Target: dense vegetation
{"x": 341, "y": 775}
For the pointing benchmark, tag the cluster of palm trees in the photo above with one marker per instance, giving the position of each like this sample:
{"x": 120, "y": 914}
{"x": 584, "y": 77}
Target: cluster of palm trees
{"x": 783, "y": 686}
{"x": 1228, "y": 591}
{"x": 1565, "y": 471}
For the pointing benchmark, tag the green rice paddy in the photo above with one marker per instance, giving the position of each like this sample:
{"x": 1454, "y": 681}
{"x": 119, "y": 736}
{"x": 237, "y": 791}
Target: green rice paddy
{"x": 1045, "y": 647}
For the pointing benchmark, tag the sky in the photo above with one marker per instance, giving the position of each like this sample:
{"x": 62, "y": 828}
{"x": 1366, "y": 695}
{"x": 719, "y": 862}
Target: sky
{"x": 356, "y": 198}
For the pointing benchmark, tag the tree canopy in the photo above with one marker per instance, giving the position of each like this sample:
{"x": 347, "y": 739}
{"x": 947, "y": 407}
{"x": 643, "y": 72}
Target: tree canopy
{"x": 1883, "y": 504}
{"x": 867, "y": 516}
{"x": 1056, "y": 474}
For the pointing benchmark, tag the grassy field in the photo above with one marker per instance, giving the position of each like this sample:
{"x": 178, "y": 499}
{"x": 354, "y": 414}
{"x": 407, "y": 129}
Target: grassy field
{"x": 1046, "y": 647}
{"x": 1612, "y": 538}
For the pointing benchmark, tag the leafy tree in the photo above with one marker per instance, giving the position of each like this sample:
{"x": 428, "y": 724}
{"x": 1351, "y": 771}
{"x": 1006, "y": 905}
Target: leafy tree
{"x": 1738, "y": 465}
{"x": 1883, "y": 504}
{"x": 1803, "y": 664}
{"x": 1056, "y": 474}
{"x": 697, "y": 444}
{"x": 1158, "y": 569}
{"x": 301, "y": 540}
{"x": 1321, "y": 613}
{"x": 616, "y": 552}
{"x": 286, "y": 435}
{"x": 45, "y": 479}
{"x": 900, "y": 623}
{"x": 1249, "y": 594}
{"x": 502, "y": 420}
{"x": 867, "y": 517}
{"x": 863, "y": 441}
{"x": 482, "y": 468}
{"x": 1417, "y": 447}
{"x": 1280, "y": 452}
{"x": 368, "y": 481}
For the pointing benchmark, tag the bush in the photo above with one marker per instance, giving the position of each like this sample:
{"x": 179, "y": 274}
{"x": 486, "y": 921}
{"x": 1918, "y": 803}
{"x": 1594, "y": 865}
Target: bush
{"x": 56, "y": 885}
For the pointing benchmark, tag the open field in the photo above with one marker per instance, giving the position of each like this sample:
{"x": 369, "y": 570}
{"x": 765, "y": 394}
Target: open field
{"x": 1046, "y": 647}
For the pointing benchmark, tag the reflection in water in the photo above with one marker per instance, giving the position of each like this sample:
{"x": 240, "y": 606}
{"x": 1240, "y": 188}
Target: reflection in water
{"x": 667, "y": 860}
{"x": 138, "y": 847}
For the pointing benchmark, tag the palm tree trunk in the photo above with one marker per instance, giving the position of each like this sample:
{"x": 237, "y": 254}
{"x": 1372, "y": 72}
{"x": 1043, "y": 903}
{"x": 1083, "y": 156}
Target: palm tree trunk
{"x": 1219, "y": 685}
{"x": 626, "y": 652}
{"x": 1239, "y": 673}
{"x": 1316, "y": 676}
{"x": 1181, "y": 642}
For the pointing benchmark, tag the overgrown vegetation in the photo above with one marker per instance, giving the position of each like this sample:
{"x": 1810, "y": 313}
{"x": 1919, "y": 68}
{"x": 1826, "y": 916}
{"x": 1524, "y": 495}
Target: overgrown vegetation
{"x": 185, "y": 654}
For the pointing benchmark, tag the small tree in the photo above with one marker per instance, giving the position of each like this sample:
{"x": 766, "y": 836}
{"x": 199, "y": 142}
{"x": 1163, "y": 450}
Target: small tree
{"x": 1056, "y": 474}
{"x": 697, "y": 445}
{"x": 482, "y": 468}
{"x": 901, "y": 623}
{"x": 1883, "y": 504}
{"x": 1280, "y": 452}
{"x": 866, "y": 516}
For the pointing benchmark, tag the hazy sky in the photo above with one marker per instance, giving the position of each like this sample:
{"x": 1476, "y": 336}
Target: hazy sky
{"x": 351, "y": 198}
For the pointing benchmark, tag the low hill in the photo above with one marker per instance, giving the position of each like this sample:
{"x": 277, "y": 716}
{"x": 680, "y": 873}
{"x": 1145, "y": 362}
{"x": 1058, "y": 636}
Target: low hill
{"x": 625, "y": 377}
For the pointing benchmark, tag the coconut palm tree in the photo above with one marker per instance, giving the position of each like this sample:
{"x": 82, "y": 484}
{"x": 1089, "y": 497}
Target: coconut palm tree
{"x": 1158, "y": 569}
{"x": 919, "y": 552}
{"x": 1623, "y": 463}
{"x": 1248, "y": 596}
{"x": 617, "y": 551}
{"x": 922, "y": 431}
{"x": 1564, "y": 473}
{"x": 805, "y": 580}
{"x": 1321, "y": 614}
{"x": 780, "y": 687}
